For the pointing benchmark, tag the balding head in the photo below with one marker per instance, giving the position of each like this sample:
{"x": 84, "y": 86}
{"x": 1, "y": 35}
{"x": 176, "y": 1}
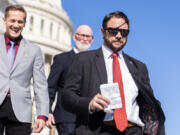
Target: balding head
{"x": 84, "y": 29}
{"x": 83, "y": 37}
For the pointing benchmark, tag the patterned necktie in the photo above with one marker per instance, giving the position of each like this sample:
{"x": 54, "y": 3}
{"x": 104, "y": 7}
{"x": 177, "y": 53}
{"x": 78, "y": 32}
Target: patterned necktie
{"x": 120, "y": 116}
{"x": 11, "y": 54}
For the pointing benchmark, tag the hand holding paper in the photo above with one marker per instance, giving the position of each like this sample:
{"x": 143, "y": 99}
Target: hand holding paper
{"x": 98, "y": 103}
{"x": 111, "y": 91}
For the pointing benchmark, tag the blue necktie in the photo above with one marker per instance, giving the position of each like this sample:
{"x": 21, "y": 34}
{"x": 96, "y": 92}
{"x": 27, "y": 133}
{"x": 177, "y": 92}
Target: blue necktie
{"x": 11, "y": 54}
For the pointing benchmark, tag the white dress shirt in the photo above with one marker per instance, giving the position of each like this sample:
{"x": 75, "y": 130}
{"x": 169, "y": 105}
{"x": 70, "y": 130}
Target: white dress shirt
{"x": 130, "y": 88}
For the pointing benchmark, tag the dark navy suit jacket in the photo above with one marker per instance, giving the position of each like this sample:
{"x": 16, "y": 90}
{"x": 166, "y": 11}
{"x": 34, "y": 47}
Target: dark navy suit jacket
{"x": 56, "y": 82}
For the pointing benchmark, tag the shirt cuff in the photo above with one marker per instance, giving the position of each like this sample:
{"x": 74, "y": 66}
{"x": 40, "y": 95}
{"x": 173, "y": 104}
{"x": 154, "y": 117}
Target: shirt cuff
{"x": 42, "y": 117}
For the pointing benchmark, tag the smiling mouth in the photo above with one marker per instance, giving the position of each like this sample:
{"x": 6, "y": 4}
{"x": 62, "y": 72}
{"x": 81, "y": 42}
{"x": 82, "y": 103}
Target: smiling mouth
{"x": 15, "y": 30}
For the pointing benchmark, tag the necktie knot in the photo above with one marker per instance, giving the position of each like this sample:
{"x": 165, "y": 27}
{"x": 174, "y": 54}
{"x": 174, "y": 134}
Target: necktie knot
{"x": 114, "y": 55}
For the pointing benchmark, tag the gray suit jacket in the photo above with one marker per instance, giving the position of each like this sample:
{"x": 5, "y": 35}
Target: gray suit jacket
{"x": 28, "y": 64}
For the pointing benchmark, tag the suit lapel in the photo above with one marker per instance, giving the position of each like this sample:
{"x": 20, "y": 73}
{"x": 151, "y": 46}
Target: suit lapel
{"x": 130, "y": 64}
{"x": 132, "y": 67}
{"x": 100, "y": 65}
{"x": 3, "y": 52}
{"x": 20, "y": 54}
{"x": 101, "y": 68}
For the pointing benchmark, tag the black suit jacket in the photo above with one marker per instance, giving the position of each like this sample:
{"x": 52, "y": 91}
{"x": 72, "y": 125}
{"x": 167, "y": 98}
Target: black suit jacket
{"x": 56, "y": 82}
{"x": 86, "y": 74}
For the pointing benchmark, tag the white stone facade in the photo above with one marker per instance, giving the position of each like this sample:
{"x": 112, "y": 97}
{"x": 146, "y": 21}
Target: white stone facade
{"x": 47, "y": 25}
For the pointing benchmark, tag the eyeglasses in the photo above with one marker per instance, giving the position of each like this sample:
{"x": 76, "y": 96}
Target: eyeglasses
{"x": 114, "y": 31}
{"x": 84, "y": 35}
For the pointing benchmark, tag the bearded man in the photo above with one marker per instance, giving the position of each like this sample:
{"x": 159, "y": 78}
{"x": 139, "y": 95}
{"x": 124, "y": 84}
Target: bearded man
{"x": 65, "y": 121}
{"x": 110, "y": 70}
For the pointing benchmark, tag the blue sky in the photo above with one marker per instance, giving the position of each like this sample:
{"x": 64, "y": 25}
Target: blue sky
{"x": 154, "y": 39}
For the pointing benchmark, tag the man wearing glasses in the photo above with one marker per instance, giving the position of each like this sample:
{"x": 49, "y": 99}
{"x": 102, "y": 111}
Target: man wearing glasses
{"x": 139, "y": 113}
{"x": 65, "y": 121}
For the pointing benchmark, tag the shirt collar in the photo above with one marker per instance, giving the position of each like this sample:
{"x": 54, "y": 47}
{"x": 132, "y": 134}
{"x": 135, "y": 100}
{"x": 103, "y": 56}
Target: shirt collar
{"x": 76, "y": 50}
{"x": 7, "y": 40}
{"x": 107, "y": 52}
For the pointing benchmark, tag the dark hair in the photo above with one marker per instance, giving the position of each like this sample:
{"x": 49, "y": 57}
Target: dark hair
{"x": 117, "y": 14}
{"x": 15, "y": 8}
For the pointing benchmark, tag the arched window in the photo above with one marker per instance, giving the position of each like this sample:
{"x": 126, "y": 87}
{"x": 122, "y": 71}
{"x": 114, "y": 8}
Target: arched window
{"x": 42, "y": 26}
{"x": 51, "y": 29}
{"x": 31, "y": 22}
{"x": 57, "y": 36}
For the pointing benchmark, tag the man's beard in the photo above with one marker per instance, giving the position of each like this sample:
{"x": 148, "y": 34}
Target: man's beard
{"x": 110, "y": 44}
{"x": 82, "y": 47}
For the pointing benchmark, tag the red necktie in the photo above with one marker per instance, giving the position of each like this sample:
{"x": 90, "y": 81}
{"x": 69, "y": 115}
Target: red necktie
{"x": 120, "y": 116}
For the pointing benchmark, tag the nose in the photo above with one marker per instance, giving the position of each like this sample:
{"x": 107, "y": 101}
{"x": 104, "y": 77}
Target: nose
{"x": 118, "y": 35}
{"x": 16, "y": 24}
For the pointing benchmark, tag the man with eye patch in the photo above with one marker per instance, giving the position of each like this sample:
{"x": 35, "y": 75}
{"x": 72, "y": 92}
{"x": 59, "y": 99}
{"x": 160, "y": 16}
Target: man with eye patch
{"x": 140, "y": 112}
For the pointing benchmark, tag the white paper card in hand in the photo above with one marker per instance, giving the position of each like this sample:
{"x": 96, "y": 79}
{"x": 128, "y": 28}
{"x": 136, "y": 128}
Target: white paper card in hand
{"x": 111, "y": 91}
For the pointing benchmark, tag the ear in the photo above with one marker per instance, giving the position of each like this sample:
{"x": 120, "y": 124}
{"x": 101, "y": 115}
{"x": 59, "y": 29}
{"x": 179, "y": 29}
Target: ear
{"x": 74, "y": 37}
{"x": 103, "y": 31}
{"x": 4, "y": 20}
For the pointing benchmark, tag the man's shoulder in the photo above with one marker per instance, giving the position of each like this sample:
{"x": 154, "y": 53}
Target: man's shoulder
{"x": 88, "y": 53}
{"x": 134, "y": 60}
{"x": 85, "y": 54}
{"x": 1, "y": 36}
{"x": 64, "y": 54}
{"x": 30, "y": 44}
